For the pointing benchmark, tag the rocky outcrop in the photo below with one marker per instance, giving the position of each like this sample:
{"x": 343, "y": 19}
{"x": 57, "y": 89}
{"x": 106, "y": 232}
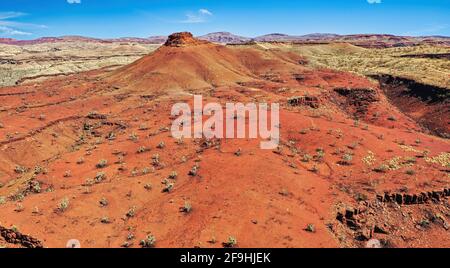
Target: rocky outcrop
{"x": 183, "y": 39}
{"x": 310, "y": 101}
{"x": 428, "y": 105}
{"x": 13, "y": 236}
{"x": 356, "y": 100}
{"x": 413, "y": 199}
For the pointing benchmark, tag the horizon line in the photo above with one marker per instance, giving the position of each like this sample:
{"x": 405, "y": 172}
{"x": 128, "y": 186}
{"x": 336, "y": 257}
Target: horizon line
{"x": 254, "y": 37}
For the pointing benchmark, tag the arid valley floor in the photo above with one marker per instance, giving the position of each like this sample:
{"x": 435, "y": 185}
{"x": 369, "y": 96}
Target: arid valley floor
{"x": 86, "y": 150}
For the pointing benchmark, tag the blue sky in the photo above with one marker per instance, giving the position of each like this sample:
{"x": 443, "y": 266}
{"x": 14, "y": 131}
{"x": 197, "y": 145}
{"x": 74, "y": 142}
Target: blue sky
{"x": 29, "y": 19}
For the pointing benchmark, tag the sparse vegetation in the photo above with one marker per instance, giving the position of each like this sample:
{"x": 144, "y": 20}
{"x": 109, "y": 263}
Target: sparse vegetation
{"x": 102, "y": 163}
{"x": 142, "y": 150}
{"x": 161, "y": 145}
{"x": 101, "y": 176}
{"x": 310, "y": 228}
{"x": 148, "y": 242}
{"x": 346, "y": 160}
{"x": 381, "y": 61}
{"x": 306, "y": 158}
{"x": 63, "y": 205}
{"x": 231, "y": 243}
{"x": 173, "y": 175}
{"x": 133, "y": 137}
{"x": 67, "y": 174}
{"x": 194, "y": 171}
{"x": 186, "y": 208}
{"x": 131, "y": 212}
{"x": 105, "y": 220}
{"x": 155, "y": 160}
{"x": 381, "y": 169}
{"x": 148, "y": 187}
{"x": 80, "y": 161}
{"x": 20, "y": 169}
{"x": 104, "y": 202}
{"x": 168, "y": 188}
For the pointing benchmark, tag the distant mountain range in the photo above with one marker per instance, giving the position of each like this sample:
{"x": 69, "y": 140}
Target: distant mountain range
{"x": 363, "y": 40}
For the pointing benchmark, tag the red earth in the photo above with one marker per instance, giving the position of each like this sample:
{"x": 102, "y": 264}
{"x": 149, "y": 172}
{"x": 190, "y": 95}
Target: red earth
{"x": 343, "y": 154}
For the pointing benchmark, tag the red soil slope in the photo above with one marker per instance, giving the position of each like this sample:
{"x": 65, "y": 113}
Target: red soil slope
{"x": 340, "y": 152}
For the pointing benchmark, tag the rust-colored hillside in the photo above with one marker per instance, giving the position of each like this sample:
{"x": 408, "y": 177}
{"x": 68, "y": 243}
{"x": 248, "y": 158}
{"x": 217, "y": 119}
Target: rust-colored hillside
{"x": 90, "y": 157}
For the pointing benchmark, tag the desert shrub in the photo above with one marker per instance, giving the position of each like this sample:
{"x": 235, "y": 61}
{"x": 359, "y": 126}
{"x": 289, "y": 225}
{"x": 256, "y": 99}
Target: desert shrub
{"x": 38, "y": 170}
{"x": 105, "y": 220}
{"x": 35, "y": 210}
{"x": 156, "y": 160}
{"x": 133, "y": 137}
{"x": 410, "y": 172}
{"x": 381, "y": 169}
{"x": 346, "y": 160}
{"x": 410, "y": 160}
{"x": 231, "y": 243}
{"x": 146, "y": 171}
{"x": 131, "y": 212}
{"x": 320, "y": 154}
{"x": 2, "y": 200}
{"x": 161, "y": 145}
{"x": 306, "y": 158}
{"x": 142, "y": 150}
{"x": 148, "y": 242}
{"x": 103, "y": 202}
{"x": 143, "y": 127}
{"x": 186, "y": 208}
{"x": 89, "y": 182}
{"x": 67, "y": 174}
{"x": 168, "y": 188}
{"x": 102, "y": 163}
{"x": 63, "y": 205}
{"x": 35, "y": 187}
{"x": 111, "y": 136}
{"x": 310, "y": 228}
{"x": 20, "y": 169}
{"x": 173, "y": 175}
{"x": 148, "y": 186}
{"x": 314, "y": 169}
{"x": 101, "y": 176}
{"x": 19, "y": 207}
{"x": 353, "y": 145}
{"x": 194, "y": 171}
{"x": 80, "y": 161}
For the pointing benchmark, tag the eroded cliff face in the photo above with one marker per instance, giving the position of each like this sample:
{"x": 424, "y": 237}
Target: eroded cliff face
{"x": 428, "y": 105}
{"x": 183, "y": 39}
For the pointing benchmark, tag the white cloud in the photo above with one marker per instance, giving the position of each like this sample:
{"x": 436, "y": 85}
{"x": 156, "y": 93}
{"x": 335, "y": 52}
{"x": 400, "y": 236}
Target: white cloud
{"x": 198, "y": 17}
{"x": 10, "y": 31}
{"x": 374, "y": 1}
{"x": 10, "y": 15}
{"x": 74, "y": 1}
{"x": 10, "y": 27}
{"x": 205, "y": 12}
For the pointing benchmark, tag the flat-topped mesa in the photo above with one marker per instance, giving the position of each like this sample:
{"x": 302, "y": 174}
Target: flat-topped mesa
{"x": 183, "y": 39}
